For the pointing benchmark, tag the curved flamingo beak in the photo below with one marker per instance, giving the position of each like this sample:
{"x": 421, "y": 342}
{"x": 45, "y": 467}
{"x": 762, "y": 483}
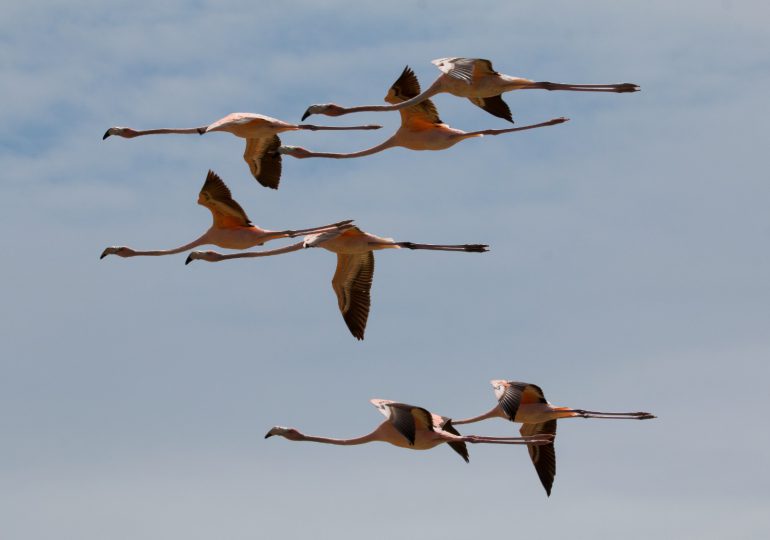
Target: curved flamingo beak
{"x": 307, "y": 113}
{"x": 106, "y": 134}
{"x": 188, "y": 260}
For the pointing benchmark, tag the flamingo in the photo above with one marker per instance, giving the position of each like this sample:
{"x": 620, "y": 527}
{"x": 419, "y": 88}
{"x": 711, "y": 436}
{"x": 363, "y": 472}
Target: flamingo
{"x": 415, "y": 428}
{"x": 525, "y": 403}
{"x": 261, "y": 134}
{"x": 231, "y": 228}
{"x": 421, "y": 128}
{"x": 475, "y": 79}
{"x": 352, "y": 281}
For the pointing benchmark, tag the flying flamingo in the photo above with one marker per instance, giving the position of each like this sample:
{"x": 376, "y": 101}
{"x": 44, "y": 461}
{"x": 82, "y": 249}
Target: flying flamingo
{"x": 526, "y": 403}
{"x": 261, "y": 134}
{"x": 421, "y": 128}
{"x": 352, "y": 281}
{"x": 231, "y": 229}
{"x": 472, "y": 78}
{"x": 412, "y": 427}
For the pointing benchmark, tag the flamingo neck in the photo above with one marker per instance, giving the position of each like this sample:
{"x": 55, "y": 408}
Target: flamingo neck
{"x": 158, "y": 252}
{"x": 186, "y": 131}
{"x": 435, "y": 88}
{"x": 497, "y": 412}
{"x": 370, "y": 437}
{"x": 268, "y": 253}
{"x": 369, "y": 151}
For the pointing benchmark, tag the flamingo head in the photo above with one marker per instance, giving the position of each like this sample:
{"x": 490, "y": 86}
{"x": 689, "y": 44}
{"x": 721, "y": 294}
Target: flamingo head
{"x": 120, "y": 251}
{"x": 294, "y": 151}
{"x": 288, "y": 433}
{"x": 329, "y": 109}
{"x": 128, "y": 133}
{"x": 210, "y": 256}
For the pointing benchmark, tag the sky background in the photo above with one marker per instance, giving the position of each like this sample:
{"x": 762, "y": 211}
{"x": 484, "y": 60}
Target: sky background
{"x": 629, "y": 271}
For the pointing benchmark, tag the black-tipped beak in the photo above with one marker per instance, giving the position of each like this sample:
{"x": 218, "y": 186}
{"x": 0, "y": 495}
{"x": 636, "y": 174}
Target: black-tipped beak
{"x": 189, "y": 260}
{"x": 103, "y": 255}
{"x": 106, "y": 134}
{"x": 268, "y": 435}
{"x": 307, "y": 113}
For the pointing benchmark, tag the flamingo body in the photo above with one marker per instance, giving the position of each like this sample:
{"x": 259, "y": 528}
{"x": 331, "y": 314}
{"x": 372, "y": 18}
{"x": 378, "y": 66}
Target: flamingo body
{"x": 475, "y": 78}
{"x": 352, "y": 241}
{"x": 250, "y": 125}
{"x": 426, "y": 435}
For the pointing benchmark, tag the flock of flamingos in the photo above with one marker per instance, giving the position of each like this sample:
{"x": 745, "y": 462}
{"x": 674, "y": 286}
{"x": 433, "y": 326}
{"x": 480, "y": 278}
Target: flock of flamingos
{"x": 421, "y": 128}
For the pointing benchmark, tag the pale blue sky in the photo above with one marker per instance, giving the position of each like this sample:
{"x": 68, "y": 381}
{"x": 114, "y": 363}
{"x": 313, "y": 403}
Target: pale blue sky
{"x": 629, "y": 271}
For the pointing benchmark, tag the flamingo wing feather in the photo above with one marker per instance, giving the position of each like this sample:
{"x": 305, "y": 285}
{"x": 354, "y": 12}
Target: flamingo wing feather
{"x": 406, "y": 87}
{"x": 464, "y": 69}
{"x": 494, "y": 105}
{"x": 517, "y": 393}
{"x": 264, "y": 160}
{"x": 352, "y": 283}
{"x": 543, "y": 456}
{"x": 402, "y": 419}
{"x": 458, "y": 446}
{"x": 216, "y": 196}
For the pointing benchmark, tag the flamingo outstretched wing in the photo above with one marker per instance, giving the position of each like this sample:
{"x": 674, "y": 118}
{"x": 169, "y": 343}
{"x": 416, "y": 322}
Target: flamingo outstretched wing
{"x": 264, "y": 160}
{"x": 494, "y": 105}
{"x": 516, "y": 393}
{"x": 544, "y": 456}
{"x": 352, "y": 283}
{"x": 458, "y": 446}
{"x": 406, "y": 87}
{"x": 465, "y": 69}
{"x": 216, "y": 196}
